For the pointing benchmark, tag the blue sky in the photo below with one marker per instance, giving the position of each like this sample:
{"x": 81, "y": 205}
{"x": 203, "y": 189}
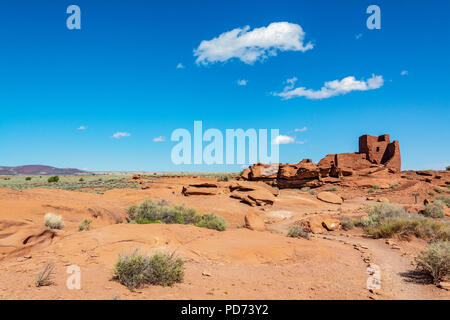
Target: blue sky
{"x": 119, "y": 74}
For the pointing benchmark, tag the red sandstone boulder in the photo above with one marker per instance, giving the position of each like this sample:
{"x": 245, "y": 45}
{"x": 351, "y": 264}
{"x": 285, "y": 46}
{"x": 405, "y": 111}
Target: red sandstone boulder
{"x": 254, "y": 221}
{"x": 196, "y": 191}
{"x": 329, "y": 197}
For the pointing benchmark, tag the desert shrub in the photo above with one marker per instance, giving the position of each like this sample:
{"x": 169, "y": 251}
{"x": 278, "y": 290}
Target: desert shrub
{"x": 53, "y": 179}
{"x": 81, "y": 180}
{"x": 211, "y": 221}
{"x": 44, "y": 278}
{"x": 305, "y": 189}
{"x": 312, "y": 192}
{"x": 375, "y": 187}
{"x": 438, "y": 190}
{"x": 134, "y": 270}
{"x": 28, "y": 178}
{"x": 53, "y": 221}
{"x": 444, "y": 199}
{"x": 435, "y": 260}
{"x": 434, "y": 209}
{"x": 223, "y": 178}
{"x": 85, "y": 224}
{"x": 431, "y": 193}
{"x": 393, "y": 186}
{"x": 331, "y": 189}
{"x": 361, "y": 222}
{"x": 347, "y": 223}
{"x": 297, "y": 231}
{"x": 383, "y": 210}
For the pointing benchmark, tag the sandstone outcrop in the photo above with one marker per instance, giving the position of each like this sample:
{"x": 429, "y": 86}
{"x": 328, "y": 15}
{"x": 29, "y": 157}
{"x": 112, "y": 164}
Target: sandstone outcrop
{"x": 329, "y": 197}
{"x": 254, "y": 221}
{"x": 377, "y": 155}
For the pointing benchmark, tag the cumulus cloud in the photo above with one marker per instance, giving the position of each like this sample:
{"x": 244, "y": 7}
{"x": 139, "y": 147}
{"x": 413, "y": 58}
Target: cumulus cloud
{"x": 242, "y": 82}
{"x": 281, "y": 139}
{"x": 82, "y": 128}
{"x": 404, "y": 73}
{"x": 251, "y": 46}
{"x": 180, "y": 66}
{"x": 159, "y": 139}
{"x": 301, "y": 129}
{"x": 119, "y": 134}
{"x": 330, "y": 88}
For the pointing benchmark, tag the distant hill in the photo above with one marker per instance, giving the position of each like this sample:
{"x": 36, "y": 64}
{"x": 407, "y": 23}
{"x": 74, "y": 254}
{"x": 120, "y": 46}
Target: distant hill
{"x": 39, "y": 170}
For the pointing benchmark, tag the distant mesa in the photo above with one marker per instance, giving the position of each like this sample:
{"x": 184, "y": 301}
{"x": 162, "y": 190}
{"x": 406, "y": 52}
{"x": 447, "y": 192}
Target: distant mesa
{"x": 39, "y": 170}
{"x": 376, "y": 154}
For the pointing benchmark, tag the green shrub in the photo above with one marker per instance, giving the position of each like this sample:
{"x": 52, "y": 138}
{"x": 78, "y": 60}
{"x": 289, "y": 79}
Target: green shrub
{"x": 438, "y": 190}
{"x": 375, "y": 187}
{"x": 85, "y": 224}
{"x": 444, "y": 199}
{"x": 431, "y": 193}
{"x": 305, "y": 189}
{"x": 135, "y": 270}
{"x": 53, "y": 179}
{"x": 211, "y": 221}
{"x": 297, "y": 231}
{"x": 223, "y": 178}
{"x": 347, "y": 223}
{"x": 81, "y": 180}
{"x": 383, "y": 210}
{"x": 434, "y": 209}
{"x": 312, "y": 192}
{"x": 393, "y": 186}
{"x": 361, "y": 222}
{"x": 28, "y": 178}
{"x": 435, "y": 261}
{"x": 53, "y": 221}
{"x": 331, "y": 189}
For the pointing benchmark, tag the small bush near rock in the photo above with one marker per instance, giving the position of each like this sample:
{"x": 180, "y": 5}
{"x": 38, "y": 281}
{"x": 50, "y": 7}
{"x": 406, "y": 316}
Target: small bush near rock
{"x": 211, "y": 221}
{"x": 331, "y": 189}
{"x": 223, "y": 178}
{"x": 53, "y": 179}
{"x": 393, "y": 186}
{"x": 313, "y": 192}
{"x": 297, "y": 232}
{"x": 435, "y": 261}
{"x": 305, "y": 189}
{"x": 347, "y": 223}
{"x": 431, "y": 193}
{"x": 444, "y": 199}
{"x": 85, "y": 225}
{"x": 434, "y": 209}
{"x": 53, "y": 221}
{"x": 383, "y": 210}
{"x": 438, "y": 190}
{"x": 135, "y": 270}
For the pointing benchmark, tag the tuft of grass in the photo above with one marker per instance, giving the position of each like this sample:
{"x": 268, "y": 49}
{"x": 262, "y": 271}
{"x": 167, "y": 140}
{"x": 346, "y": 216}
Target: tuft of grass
{"x": 435, "y": 261}
{"x": 297, "y": 231}
{"x": 53, "y": 221}
{"x": 434, "y": 209}
{"x": 347, "y": 223}
{"x": 211, "y": 221}
{"x": 135, "y": 270}
{"x": 85, "y": 224}
{"x": 44, "y": 278}
{"x": 53, "y": 179}
{"x": 393, "y": 186}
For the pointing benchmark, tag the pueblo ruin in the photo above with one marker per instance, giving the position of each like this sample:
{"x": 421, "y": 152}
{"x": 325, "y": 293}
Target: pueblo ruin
{"x": 376, "y": 155}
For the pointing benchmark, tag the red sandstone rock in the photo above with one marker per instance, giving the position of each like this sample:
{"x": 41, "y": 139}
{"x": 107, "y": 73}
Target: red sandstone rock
{"x": 329, "y": 197}
{"x": 254, "y": 221}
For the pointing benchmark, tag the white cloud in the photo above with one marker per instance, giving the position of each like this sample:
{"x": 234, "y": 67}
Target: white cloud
{"x": 180, "y": 66}
{"x": 358, "y": 36}
{"x": 331, "y": 88}
{"x": 283, "y": 140}
{"x": 404, "y": 73}
{"x": 119, "y": 134}
{"x": 82, "y": 128}
{"x": 242, "y": 82}
{"x": 159, "y": 139}
{"x": 301, "y": 129}
{"x": 254, "y": 45}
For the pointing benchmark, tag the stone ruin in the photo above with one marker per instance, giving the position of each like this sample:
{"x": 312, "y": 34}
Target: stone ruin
{"x": 376, "y": 154}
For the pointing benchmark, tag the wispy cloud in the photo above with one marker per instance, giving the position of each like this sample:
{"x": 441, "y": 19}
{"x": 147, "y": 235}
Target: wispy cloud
{"x": 330, "y": 88}
{"x": 159, "y": 139}
{"x": 404, "y": 73}
{"x": 281, "y": 139}
{"x": 82, "y": 128}
{"x": 301, "y": 129}
{"x": 119, "y": 135}
{"x": 251, "y": 46}
{"x": 358, "y": 36}
{"x": 242, "y": 82}
{"x": 180, "y": 66}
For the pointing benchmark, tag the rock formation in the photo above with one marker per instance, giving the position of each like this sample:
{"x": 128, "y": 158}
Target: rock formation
{"x": 375, "y": 154}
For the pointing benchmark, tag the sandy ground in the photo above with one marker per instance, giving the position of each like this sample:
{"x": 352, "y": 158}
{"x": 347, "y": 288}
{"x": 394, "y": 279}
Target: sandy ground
{"x": 235, "y": 264}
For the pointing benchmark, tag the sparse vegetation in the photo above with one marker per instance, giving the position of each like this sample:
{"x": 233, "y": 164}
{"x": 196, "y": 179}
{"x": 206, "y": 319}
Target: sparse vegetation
{"x": 223, "y": 178}
{"x": 312, "y": 192}
{"x": 375, "y": 187}
{"x": 297, "y": 231}
{"x": 53, "y": 221}
{"x": 331, "y": 189}
{"x": 435, "y": 261}
{"x": 347, "y": 223}
{"x": 53, "y": 179}
{"x": 85, "y": 225}
{"x": 135, "y": 270}
{"x": 393, "y": 186}
{"x": 162, "y": 212}
{"x": 444, "y": 199}
{"x": 27, "y": 178}
{"x": 438, "y": 190}
{"x": 434, "y": 209}
{"x": 44, "y": 278}
{"x": 431, "y": 193}
{"x": 81, "y": 180}
{"x": 305, "y": 189}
